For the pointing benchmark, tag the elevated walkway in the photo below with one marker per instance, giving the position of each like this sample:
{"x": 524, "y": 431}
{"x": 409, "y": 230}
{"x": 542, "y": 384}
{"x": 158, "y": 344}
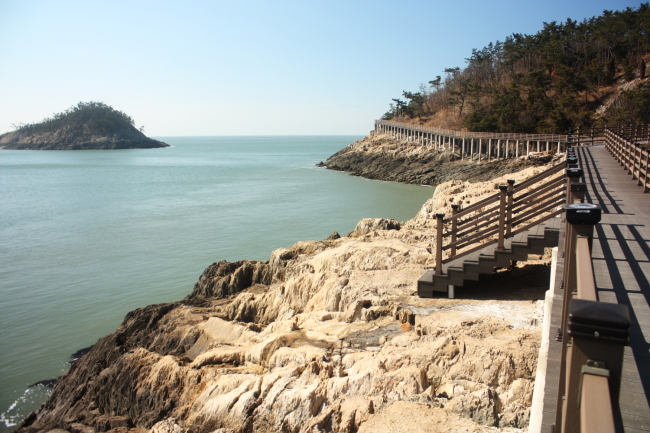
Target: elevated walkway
{"x": 621, "y": 262}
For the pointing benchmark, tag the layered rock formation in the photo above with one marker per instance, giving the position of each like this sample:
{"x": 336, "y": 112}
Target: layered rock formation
{"x": 325, "y": 336}
{"x": 383, "y": 157}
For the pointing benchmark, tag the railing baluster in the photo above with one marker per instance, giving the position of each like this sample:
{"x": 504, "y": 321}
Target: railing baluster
{"x": 439, "y": 224}
{"x": 502, "y": 216}
{"x": 454, "y": 226}
{"x": 511, "y": 183}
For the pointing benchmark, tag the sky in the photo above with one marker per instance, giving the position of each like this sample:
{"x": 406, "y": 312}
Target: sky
{"x": 197, "y": 68}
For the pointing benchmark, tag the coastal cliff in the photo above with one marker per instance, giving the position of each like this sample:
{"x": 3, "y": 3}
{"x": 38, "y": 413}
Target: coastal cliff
{"x": 383, "y": 157}
{"x": 91, "y": 125}
{"x": 324, "y": 336}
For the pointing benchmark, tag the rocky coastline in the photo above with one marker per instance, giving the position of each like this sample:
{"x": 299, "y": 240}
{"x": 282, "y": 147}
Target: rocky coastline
{"x": 383, "y": 157}
{"x": 128, "y": 138}
{"x": 324, "y": 336}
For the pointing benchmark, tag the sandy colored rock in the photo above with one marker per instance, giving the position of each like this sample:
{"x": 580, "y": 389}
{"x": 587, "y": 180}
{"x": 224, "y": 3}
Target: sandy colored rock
{"x": 325, "y": 336}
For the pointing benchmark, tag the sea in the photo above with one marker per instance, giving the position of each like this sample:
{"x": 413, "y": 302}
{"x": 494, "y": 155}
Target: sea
{"x": 87, "y": 236}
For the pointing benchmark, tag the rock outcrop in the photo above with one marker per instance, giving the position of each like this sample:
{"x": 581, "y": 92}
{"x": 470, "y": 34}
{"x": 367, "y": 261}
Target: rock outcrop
{"x": 325, "y": 336}
{"x": 90, "y": 125}
{"x": 65, "y": 140}
{"x": 383, "y": 157}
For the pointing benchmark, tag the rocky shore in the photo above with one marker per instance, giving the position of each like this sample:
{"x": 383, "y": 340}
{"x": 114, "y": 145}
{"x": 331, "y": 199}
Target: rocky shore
{"x": 383, "y": 157}
{"x": 325, "y": 336}
{"x": 129, "y": 138}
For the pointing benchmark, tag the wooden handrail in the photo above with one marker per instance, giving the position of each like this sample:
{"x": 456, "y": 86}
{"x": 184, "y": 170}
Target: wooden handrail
{"x": 468, "y": 134}
{"x": 555, "y": 198}
{"x": 536, "y": 192}
{"x": 497, "y": 215}
{"x": 585, "y": 276}
{"x": 630, "y": 155}
{"x": 472, "y": 208}
{"x": 538, "y": 199}
{"x": 593, "y": 336}
{"x": 539, "y": 211}
{"x": 541, "y": 176}
{"x": 472, "y": 239}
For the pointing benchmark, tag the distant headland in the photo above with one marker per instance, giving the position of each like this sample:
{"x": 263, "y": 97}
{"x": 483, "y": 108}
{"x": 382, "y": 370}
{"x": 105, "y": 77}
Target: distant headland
{"x": 88, "y": 125}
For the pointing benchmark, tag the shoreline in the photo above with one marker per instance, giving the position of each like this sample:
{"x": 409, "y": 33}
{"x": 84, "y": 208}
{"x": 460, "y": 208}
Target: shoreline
{"x": 248, "y": 286}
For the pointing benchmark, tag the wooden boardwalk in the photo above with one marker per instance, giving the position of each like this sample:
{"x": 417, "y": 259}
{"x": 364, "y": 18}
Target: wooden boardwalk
{"x": 621, "y": 260}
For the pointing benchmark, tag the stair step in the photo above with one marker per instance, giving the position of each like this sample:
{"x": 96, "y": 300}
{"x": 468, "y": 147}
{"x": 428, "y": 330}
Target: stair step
{"x": 483, "y": 261}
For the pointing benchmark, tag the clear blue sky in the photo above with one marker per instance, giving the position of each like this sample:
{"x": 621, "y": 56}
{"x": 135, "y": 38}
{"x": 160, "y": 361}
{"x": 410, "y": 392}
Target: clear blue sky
{"x": 247, "y": 67}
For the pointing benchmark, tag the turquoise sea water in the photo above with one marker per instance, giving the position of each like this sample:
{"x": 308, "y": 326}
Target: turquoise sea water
{"x": 87, "y": 236}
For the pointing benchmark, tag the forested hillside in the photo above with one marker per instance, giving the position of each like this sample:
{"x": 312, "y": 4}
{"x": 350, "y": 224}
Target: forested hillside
{"x": 567, "y": 75}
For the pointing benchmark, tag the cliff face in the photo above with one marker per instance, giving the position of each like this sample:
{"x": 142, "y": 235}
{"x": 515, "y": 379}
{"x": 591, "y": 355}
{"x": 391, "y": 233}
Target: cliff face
{"x": 324, "y": 336}
{"x": 383, "y": 157}
{"x": 78, "y": 139}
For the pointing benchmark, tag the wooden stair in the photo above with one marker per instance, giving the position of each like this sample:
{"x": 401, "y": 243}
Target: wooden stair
{"x": 483, "y": 261}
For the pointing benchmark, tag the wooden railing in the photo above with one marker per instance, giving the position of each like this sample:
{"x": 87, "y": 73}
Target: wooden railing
{"x": 514, "y": 209}
{"x": 632, "y": 155}
{"x": 467, "y": 134}
{"x": 593, "y": 333}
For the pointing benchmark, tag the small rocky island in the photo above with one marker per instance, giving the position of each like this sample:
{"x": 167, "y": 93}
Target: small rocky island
{"x": 88, "y": 125}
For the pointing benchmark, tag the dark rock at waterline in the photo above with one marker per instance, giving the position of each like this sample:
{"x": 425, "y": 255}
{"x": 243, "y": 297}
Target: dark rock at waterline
{"x": 333, "y": 236}
{"x": 47, "y": 382}
{"x": 78, "y": 354}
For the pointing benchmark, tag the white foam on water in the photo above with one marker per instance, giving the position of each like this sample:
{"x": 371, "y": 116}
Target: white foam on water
{"x": 17, "y": 411}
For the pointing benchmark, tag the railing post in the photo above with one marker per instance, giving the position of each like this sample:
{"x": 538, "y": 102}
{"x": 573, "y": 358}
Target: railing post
{"x": 454, "y": 224}
{"x": 511, "y": 188}
{"x": 573, "y": 176}
{"x": 581, "y": 219}
{"x": 577, "y": 191}
{"x": 572, "y": 161}
{"x": 502, "y": 216}
{"x": 599, "y": 332}
{"x": 439, "y": 223}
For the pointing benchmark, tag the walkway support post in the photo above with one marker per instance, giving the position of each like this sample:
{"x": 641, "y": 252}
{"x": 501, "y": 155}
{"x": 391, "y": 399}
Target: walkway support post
{"x": 502, "y": 216}
{"x": 439, "y": 217}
